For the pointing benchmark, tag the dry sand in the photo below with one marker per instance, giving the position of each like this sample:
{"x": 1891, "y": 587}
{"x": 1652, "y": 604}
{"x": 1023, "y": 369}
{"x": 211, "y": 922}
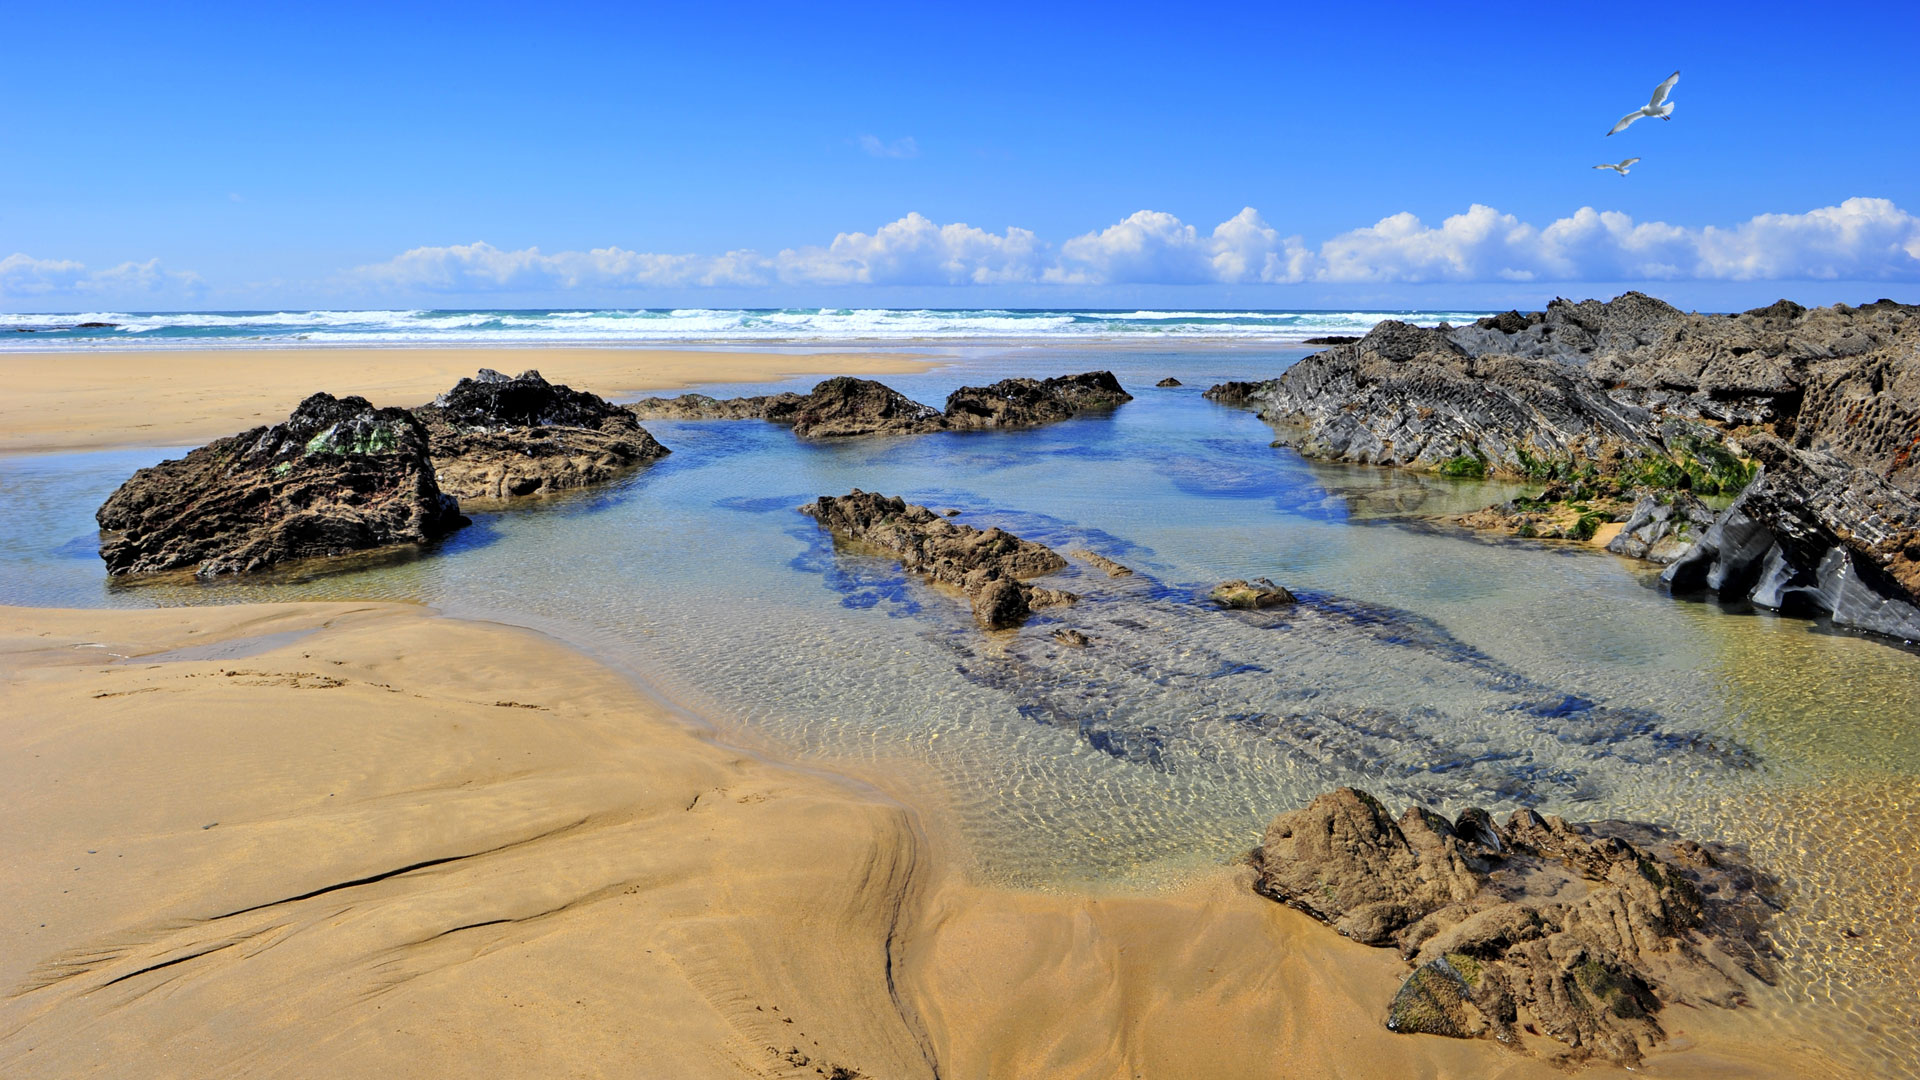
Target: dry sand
{"x": 92, "y": 398}
{"x": 392, "y": 844}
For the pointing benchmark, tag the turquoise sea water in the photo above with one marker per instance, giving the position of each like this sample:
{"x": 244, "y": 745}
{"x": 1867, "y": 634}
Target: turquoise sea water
{"x": 1423, "y": 663}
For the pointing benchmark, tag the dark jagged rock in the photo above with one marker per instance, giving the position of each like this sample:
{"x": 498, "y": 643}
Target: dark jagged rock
{"x": 1330, "y": 339}
{"x": 1662, "y": 527}
{"x": 1026, "y": 402}
{"x": 1235, "y": 393}
{"x": 1168, "y": 381}
{"x": 337, "y": 476}
{"x": 1250, "y": 595}
{"x": 775, "y": 407}
{"x": 1591, "y": 929}
{"x": 494, "y": 437}
{"x": 989, "y": 566}
{"x": 842, "y": 407}
{"x": 1813, "y": 532}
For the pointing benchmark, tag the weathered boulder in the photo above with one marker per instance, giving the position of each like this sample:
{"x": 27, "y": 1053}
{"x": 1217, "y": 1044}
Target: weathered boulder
{"x": 1026, "y": 402}
{"x": 844, "y": 406}
{"x": 1813, "y": 532}
{"x": 990, "y": 566}
{"x": 1250, "y": 595}
{"x": 496, "y": 438}
{"x": 1662, "y": 527}
{"x": 337, "y": 476}
{"x": 1590, "y": 930}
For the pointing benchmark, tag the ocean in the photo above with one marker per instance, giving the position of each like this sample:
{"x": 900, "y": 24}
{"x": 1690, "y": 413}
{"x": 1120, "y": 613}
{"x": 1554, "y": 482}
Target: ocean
{"x": 706, "y": 326}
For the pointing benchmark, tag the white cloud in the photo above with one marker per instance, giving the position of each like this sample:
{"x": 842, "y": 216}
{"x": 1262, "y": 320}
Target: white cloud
{"x": 1861, "y": 239}
{"x": 23, "y": 276}
{"x": 903, "y": 147}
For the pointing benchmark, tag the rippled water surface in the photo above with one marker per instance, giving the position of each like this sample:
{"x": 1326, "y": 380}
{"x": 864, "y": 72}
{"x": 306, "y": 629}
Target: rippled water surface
{"x": 1421, "y": 663}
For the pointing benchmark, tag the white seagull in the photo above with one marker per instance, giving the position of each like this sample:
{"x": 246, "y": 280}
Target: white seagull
{"x": 1656, "y": 106}
{"x": 1620, "y": 168}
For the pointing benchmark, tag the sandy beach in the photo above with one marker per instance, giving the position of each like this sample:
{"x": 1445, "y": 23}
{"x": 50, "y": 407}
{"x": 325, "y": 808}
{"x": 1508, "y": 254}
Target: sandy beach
{"x": 79, "y": 399}
{"x": 338, "y": 840}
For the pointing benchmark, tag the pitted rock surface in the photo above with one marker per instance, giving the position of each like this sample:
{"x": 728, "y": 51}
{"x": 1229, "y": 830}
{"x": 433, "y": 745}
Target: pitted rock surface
{"x": 498, "y": 438}
{"x": 1584, "y": 932}
{"x": 337, "y": 476}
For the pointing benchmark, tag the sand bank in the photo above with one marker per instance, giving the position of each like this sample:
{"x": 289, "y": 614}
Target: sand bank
{"x": 95, "y": 398}
{"x": 338, "y": 840}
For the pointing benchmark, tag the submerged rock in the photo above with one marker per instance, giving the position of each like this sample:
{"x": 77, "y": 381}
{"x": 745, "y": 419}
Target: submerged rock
{"x": 1250, "y": 595}
{"x": 1027, "y": 402}
{"x": 337, "y": 476}
{"x": 989, "y": 565}
{"x": 494, "y": 437}
{"x": 1591, "y": 929}
{"x": 1102, "y": 563}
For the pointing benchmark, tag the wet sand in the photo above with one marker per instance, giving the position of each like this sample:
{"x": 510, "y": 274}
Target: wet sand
{"x": 337, "y": 840}
{"x": 80, "y": 399}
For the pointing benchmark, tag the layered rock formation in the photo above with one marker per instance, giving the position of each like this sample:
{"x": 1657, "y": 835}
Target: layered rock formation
{"x": 1651, "y": 400}
{"x": 1812, "y": 533}
{"x": 1579, "y": 933}
{"x": 337, "y": 476}
{"x": 496, "y": 438}
{"x": 989, "y": 566}
{"x": 845, "y": 407}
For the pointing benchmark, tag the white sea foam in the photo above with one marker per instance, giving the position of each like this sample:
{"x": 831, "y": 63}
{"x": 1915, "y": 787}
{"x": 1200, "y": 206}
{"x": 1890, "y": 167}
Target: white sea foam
{"x": 687, "y": 325}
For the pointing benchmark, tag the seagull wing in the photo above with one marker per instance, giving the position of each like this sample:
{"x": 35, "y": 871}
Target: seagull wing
{"x": 1660, "y": 92}
{"x": 1603, "y": 166}
{"x": 1630, "y": 161}
{"x": 1625, "y": 120}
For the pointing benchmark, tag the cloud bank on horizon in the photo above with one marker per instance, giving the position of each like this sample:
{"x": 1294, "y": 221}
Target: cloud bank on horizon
{"x": 1861, "y": 239}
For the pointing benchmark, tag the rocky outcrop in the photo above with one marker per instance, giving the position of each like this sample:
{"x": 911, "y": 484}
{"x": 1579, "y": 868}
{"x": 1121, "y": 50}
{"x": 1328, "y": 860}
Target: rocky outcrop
{"x": 1583, "y": 934}
{"x": 1637, "y": 394}
{"x": 337, "y": 476}
{"x": 496, "y": 438}
{"x": 1027, "y": 402}
{"x": 1168, "y": 381}
{"x": 1250, "y": 595}
{"x": 990, "y": 566}
{"x": 1814, "y": 533}
{"x": 846, "y": 407}
{"x": 778, "y": 408}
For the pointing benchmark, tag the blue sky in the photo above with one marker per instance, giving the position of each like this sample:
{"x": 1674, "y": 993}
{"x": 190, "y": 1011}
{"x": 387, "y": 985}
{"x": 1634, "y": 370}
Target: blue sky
{"x": 252, "y": 157}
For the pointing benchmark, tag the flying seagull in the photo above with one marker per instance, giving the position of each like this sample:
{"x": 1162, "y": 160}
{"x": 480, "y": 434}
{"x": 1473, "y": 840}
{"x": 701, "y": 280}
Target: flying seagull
{"x": 1620, "y": 168}
{"x": 1655, "y": 106}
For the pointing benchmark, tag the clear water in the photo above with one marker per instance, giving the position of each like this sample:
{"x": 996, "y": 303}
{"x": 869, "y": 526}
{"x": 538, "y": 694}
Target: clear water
{"x": 1422, "y": 664}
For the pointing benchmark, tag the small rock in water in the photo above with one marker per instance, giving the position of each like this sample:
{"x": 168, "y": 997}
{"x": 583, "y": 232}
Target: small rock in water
{"x": 1168, "y": 381}
{"x": 1071, "y": 638}
{"x": 1101, "y": 562}
{"x": 1250, "y": 595}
